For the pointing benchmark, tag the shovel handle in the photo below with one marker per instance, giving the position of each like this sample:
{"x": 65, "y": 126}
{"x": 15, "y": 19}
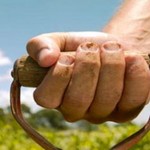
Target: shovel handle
{"x": 30, "y": 74}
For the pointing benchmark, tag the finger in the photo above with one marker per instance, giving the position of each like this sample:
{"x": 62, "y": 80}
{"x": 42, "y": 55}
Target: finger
{"x": 136, "y": 89}
{"x": 110, "y": 84}
{"x": 81, "y": 89}
{"x": 50, "y": 92}
{"x": 45, "y": 49}
{"x": 74, "y": 39}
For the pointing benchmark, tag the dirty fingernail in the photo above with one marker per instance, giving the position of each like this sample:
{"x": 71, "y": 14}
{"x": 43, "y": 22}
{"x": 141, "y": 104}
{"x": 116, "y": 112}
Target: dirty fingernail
{"x": 89, "y": 46}
{"x": 111, "y": 46}
{"x": 47, "y": 57}
{"x": 66, "y": 59}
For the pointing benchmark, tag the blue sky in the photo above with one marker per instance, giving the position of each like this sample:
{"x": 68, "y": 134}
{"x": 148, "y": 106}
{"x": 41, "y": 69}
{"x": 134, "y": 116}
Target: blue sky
{"x": 22, "y": 19}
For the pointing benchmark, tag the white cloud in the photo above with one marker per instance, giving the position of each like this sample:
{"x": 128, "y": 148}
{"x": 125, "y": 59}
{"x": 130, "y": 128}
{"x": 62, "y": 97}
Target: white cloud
{"x": 6, "y": 76}
{"x": 26, "y": 98}
{"x": 4, "y": 98}
{"x": 4, "y": 60}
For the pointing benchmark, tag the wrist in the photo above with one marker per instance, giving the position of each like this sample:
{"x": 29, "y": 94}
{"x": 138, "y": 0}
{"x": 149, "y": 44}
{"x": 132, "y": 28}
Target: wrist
{"x": 132, "y": 21}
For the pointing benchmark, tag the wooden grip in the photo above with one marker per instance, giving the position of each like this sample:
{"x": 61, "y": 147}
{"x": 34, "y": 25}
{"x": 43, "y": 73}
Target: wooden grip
{"x": 30, "y": 74}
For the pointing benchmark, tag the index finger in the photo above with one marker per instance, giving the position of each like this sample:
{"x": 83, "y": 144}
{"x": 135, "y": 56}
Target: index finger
{"x": 45, "y": 48}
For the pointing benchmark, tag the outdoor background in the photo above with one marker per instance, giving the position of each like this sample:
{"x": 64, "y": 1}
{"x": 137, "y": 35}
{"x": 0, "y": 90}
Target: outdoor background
{"x": 21, "y": 20}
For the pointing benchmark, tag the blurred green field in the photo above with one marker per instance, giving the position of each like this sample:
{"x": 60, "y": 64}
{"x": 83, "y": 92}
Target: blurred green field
{"x": 78, "y": 136}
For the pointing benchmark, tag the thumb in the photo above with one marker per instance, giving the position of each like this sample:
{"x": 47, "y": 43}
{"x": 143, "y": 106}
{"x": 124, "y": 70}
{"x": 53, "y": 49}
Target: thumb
{"x": 45, "y": 51}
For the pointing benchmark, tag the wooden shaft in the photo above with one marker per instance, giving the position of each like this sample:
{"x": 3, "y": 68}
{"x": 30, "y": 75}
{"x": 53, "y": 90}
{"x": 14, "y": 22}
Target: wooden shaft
{"x": 30, "y": 74}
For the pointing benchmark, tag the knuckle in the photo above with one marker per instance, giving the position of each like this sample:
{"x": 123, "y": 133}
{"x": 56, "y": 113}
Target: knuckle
{"x": 69, "y": 118}
{"x": 36, "y": 43}
{"x": 137, "y": 67}
{"x": 118, "y": 65}
{"x": 39, "y": 99}
{"x": 114, "y": 62}
{"x": 96, "y": 121}
{"x": 44, "y": 100}
{"x": 31, "y": 43}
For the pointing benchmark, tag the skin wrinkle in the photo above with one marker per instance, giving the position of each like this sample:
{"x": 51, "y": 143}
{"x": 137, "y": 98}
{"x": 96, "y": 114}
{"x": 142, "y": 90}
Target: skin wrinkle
{"x": 137, "y": 99}
{"x": 58, "y": 76}
{"x": 79, "y": 105}
{"x": 61, "y": 40}
{"x": 134, "y": 32}
{"x": 138, "y": 34}
{"x": 136, "y": 18}
{"x": 76, "y": 99}
{"x": 108, "y": 61}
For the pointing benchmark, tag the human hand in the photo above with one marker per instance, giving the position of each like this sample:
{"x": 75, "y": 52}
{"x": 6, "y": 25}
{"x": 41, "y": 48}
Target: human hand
{"x": 109, "y": 87}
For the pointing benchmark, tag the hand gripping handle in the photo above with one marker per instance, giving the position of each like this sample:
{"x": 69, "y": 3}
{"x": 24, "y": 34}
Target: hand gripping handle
{"x": 28, "y": 73}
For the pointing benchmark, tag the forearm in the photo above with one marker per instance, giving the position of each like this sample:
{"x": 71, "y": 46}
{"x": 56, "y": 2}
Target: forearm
{"x": 132, "y": 21}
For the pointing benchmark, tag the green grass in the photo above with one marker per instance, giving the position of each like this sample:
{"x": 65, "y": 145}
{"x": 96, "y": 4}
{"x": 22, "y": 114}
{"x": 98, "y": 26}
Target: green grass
{"x": 12, "y": 137}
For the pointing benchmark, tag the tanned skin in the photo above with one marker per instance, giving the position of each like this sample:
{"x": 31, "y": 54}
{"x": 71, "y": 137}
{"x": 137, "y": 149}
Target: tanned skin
{"x": 121, "y": 83}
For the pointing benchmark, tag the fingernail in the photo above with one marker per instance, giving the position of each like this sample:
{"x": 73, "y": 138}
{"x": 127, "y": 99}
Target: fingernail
{"x": 65, "y": 59}
{"x": 45, "y": 58}
{"x": 89, "y": 46}
{"x": 111, "y": 46}
{"x": 42, "y": 53}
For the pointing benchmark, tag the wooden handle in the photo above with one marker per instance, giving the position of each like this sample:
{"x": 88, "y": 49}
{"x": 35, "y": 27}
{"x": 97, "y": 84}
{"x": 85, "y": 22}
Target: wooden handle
{"x": 30, "y": 74}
